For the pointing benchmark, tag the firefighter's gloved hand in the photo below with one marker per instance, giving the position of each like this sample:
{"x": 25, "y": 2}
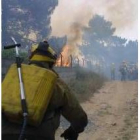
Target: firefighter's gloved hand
{"x": 70, "y": 134}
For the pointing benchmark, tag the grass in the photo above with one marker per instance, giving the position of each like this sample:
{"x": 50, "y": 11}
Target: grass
{"x": 85, "y": 84}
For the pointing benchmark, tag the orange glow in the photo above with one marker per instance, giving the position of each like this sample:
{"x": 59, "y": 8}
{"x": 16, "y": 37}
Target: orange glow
{"x": 64, "y": 58}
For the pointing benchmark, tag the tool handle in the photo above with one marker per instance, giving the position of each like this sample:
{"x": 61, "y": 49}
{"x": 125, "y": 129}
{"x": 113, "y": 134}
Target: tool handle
{"x": 12, "y": 46}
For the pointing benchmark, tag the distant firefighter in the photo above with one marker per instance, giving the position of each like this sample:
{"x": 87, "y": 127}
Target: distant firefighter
{"x": 133, "y": 72}
{"x": 112, "y": 69}
{"x": 123, "y": 70}
{"x": 136, "y": 72}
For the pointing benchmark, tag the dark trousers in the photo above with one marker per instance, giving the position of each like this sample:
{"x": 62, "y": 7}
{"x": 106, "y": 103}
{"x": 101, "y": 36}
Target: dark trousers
{"x": 123, "y": 78}
{"x": 112, "y": 76}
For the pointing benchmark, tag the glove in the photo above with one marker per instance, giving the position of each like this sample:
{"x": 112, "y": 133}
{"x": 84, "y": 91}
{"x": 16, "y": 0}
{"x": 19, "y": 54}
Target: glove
{"x": 70, "y": 134}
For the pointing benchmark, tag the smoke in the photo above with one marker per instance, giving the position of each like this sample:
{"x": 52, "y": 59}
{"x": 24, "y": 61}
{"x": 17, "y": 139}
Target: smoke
{"x": 71, "y": 17}
{"x": 123, "y": 14}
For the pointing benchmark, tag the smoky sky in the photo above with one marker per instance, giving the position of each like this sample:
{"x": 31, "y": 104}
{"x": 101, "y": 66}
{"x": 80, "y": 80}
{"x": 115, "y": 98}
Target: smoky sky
{"x": 122, "y": 14}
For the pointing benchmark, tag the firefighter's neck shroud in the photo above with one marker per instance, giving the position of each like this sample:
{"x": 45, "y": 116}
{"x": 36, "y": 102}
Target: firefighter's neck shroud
{"x": 38, "y": 85}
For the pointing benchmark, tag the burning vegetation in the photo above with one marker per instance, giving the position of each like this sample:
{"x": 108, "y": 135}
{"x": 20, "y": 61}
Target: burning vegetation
{"x": 64, "y": 58}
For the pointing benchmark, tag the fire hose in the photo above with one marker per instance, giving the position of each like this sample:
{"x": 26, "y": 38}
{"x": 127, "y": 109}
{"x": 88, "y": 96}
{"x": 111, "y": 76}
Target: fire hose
{"x": 22, "y": 93}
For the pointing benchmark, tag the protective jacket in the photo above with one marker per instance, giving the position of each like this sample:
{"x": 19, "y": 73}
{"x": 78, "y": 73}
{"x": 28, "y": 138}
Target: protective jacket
{"x": 63, "y": 102}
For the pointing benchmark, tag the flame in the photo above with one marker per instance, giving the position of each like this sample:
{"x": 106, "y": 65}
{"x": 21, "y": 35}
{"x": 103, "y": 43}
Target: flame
{"x": 64, "y": 58}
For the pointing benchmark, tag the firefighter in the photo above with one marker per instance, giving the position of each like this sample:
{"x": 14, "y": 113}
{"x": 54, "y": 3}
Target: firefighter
{"x": 136, "y": 72}
{"x": 63, "y": 102}
{"x": 123, "y": 70}
{"x": 112, "y": 71}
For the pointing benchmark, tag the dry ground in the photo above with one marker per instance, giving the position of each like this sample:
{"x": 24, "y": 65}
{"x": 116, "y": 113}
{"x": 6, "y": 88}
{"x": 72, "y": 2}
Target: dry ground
{"x": 112, "y": 113}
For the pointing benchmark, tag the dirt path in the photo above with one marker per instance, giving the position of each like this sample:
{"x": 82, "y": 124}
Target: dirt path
{"x": 112, "y": 113}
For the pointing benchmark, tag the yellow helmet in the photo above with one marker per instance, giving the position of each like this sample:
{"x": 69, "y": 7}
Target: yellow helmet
{"x": 42, "y": 52}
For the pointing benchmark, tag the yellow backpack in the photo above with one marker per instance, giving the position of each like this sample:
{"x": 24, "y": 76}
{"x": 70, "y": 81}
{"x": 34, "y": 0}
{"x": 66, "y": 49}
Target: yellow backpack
{"x": 38, "y": 85}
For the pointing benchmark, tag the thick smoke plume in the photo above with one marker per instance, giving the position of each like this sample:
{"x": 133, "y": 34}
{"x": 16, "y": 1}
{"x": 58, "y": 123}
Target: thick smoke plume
{"x": 70, "y": 18}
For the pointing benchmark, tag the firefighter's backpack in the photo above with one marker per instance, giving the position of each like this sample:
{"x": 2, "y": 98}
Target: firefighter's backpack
{"x": 38, "y": 85}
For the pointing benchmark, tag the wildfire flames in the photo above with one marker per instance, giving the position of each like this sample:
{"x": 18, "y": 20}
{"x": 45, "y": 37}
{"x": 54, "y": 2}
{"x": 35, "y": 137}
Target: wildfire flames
{"x": 64, "y": 58}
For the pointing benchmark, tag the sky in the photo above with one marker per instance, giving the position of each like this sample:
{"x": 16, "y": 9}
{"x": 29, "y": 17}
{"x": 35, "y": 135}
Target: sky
{"x": 122, "y": 13}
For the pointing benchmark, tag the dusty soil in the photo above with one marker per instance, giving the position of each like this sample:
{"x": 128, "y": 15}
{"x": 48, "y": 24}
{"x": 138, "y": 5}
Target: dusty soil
{"x": 112, "y": 113}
